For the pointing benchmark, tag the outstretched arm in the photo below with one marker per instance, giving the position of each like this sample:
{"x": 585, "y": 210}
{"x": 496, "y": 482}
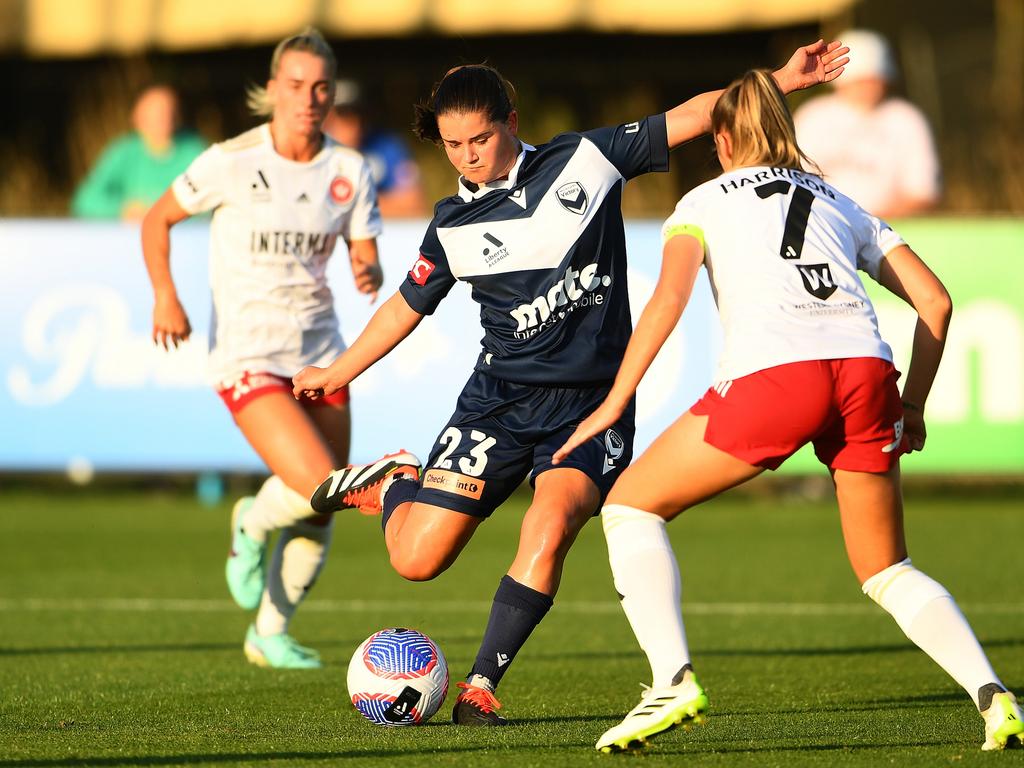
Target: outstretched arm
{"x": 903, "y": 273}
{"x": 810, "y": 65}
{"x": 387, "y": 328}
{"x": 681, "y": 260}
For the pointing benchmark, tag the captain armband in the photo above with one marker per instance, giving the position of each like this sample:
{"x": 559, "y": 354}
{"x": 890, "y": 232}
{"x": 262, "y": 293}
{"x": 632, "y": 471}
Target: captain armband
{"x": 683, "y": 229}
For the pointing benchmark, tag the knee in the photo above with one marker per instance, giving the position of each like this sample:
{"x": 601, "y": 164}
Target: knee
{"x": 416, "y": 568}
{"x": 554, "y": 538}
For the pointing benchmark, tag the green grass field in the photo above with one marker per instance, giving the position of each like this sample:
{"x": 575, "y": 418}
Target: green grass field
{"x": 119, "y": 645}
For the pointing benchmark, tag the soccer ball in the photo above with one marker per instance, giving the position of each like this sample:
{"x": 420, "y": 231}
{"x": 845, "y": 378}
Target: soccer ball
{"x": 397, "y": 677}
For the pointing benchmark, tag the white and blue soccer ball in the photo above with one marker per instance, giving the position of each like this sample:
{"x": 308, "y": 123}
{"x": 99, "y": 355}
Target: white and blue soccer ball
{"x": 397, "y": 677}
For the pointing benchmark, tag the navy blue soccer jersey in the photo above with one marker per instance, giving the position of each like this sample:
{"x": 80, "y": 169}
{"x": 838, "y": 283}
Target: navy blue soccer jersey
{"x": 545, "y": 254}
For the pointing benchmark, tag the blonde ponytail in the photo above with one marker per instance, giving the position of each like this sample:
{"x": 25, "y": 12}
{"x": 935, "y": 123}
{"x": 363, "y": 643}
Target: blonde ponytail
{"x": 754, "y": 112}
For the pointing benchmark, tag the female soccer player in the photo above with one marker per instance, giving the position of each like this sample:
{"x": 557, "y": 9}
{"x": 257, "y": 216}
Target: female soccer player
{"x": 802, "y": 362}
{"x": 282, "y": 194}
{"x": 538, "y": 233}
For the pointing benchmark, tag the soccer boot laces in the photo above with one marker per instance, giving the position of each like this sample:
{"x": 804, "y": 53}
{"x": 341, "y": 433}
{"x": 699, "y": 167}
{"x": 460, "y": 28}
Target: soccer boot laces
{"x": 476, "y": 706}
{"x": 362, "y": 486}
{"x": 659, "y": 710}
{"x": 278, "y": 651}
{"x": 244, "y": 569}
{"x": 1004, "y": 724}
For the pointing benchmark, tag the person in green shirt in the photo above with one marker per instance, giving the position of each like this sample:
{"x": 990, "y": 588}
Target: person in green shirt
{"x": 136, "y": 168}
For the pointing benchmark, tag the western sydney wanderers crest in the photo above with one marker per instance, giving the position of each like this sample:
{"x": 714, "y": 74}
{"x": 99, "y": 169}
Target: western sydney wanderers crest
{"x": 341, "y": 190}
{"x": 573, "y": 197}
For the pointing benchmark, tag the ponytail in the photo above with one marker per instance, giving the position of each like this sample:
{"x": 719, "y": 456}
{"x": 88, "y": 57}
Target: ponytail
{"x": 754, "y": 112}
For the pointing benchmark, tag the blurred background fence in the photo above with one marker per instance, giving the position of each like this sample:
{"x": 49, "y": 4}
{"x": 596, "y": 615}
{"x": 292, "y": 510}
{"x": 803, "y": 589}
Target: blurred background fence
{"x": 80, "y": 382}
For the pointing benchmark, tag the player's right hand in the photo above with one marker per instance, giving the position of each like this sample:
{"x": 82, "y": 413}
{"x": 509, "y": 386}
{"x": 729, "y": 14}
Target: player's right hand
{"x": 170, "y": 323}
{"x": 313, "y": 382}
{"x": 604, "y": 417}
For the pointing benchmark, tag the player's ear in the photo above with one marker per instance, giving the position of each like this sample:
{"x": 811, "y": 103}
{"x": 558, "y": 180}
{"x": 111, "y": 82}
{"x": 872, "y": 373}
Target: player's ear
{"x": 513, "y": 122}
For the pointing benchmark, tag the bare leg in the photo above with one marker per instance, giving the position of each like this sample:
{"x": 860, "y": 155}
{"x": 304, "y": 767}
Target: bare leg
{"x": 679, "y": 470}
{"x": 871, "y": 509}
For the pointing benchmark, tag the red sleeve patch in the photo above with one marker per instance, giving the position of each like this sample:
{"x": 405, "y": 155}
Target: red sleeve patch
{"x": 421, "y": 270}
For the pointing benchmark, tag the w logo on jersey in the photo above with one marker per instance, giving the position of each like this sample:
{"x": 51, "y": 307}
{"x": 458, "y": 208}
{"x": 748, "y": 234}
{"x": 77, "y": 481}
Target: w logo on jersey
{"x": 817, "y": 279}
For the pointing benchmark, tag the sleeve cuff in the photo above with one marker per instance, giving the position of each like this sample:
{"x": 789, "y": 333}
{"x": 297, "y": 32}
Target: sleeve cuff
{"x": 657, "y": 135}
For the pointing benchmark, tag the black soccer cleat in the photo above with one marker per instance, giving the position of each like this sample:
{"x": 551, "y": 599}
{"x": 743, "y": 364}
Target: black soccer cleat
{"x": 362, "y": 486}
{"x": 476, "y": 706}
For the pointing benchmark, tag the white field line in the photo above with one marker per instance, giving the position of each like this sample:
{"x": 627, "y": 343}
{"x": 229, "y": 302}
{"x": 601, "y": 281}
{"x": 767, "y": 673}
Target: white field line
{"x": 185, "y": 605}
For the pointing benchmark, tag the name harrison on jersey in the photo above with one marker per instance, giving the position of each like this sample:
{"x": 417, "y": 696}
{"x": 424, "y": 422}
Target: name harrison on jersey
{"x": 807, "y": 180}
{"x": 295, "y": 243}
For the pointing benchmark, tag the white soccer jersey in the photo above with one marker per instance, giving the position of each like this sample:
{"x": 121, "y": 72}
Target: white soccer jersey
{"x": 275, "y": 224}
{"x": 782, "y": 249}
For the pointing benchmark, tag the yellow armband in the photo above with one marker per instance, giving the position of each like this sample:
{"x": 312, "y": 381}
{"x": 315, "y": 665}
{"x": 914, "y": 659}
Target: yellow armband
{"x": 683, "y": 229}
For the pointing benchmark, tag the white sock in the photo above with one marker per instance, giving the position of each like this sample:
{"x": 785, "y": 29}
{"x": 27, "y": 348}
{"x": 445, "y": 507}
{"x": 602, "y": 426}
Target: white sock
{"x": 646, "y": 575}
{"x": 275, "y": 506}
{"x": 298, "y": 559}
{"x": 929, "y": 616}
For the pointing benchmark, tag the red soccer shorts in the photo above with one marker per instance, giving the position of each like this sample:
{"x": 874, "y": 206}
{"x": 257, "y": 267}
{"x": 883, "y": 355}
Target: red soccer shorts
{"x": 250, "y": 385}
{"x": 849, "y": 409}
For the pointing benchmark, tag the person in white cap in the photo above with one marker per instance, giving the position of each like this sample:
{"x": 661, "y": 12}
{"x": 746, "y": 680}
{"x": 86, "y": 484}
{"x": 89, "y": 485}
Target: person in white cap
{"x": 872, "y": 146}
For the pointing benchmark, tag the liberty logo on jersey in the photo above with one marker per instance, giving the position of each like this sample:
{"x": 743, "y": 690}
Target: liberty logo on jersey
{"x": 500, "y": 250}
{"x": 817, "y": 279}
{"x": 573, "y": 197}
{"x": 576, "y": 290}
{"x": 421, "y": 270}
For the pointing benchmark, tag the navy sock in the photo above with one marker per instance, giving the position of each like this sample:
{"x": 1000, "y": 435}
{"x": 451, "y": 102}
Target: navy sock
{"x": 517, "y": 609}
{"x": 402, "y": 490}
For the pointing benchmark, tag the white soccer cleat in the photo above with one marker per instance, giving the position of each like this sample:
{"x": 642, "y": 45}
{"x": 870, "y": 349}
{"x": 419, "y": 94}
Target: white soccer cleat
{"x": 659, "y": 710}
{"x": 361, "y": 486}
{"x": 1004, "y": 724}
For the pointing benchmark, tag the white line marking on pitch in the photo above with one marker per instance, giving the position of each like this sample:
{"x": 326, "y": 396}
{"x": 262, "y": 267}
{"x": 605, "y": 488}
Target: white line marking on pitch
{"x": 186, "y": 605}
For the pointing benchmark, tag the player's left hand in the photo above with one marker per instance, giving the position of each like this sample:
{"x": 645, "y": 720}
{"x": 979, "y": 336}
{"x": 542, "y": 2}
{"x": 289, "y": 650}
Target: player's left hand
{"x": 368, "y": 276}
{"x": 914, "y": 432}
{"x": 813, "y": 64}
{"x": 604, "y": 417}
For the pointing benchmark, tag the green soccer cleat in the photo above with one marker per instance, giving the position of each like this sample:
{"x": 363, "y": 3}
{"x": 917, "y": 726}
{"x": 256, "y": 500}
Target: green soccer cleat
{"x": 244, "y": 569}
{"x": 659, "y": 710}
{"x": 278, "y": 651}
{"x": 1004, "y": 726}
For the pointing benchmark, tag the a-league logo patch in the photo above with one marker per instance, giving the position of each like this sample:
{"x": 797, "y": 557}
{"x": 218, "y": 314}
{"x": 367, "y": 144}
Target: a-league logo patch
{"x": 341, "y": 190}
{"x": 421, "y": 270}
{"x": 573, "y": 197}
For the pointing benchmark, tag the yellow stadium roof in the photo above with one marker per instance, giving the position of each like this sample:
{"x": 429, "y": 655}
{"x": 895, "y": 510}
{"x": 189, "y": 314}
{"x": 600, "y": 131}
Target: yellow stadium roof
{"x": 85, "y": 27}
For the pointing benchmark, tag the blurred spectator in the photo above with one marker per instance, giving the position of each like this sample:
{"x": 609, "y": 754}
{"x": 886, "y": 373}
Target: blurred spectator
{"x": 395, "y": 173}
{"x": 136, "y": 168}
{"x": 874, "y": 147}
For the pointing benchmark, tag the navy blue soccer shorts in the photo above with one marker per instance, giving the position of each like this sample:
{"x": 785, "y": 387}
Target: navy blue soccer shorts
{"x": 501, "y": 433}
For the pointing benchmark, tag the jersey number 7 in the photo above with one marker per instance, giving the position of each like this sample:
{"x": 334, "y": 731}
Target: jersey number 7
{"x": 796, "y": 218}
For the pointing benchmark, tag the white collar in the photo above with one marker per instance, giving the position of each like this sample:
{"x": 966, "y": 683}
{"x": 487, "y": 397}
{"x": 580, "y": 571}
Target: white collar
{"x": 467, "y": 192}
